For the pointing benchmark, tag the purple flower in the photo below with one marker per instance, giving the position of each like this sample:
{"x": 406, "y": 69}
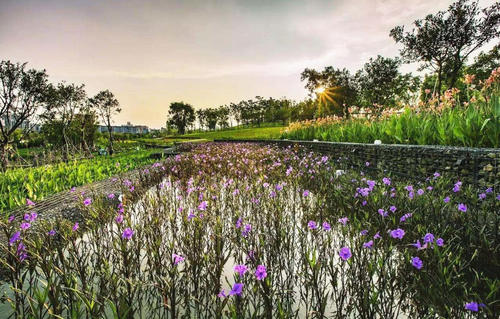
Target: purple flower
{"x": 279, "y": 187}
{"x": 386, "y": 181}
{"x": 190, "y": 215}
{"x": 368, "y": 244}
{"x": 440, "y": 242}
{"x": 222, "y": 294}
{"x": 33, "y": 216}
{"x": 446, "y": 199}
{"x": 436, "y": 175}
{"x": 203, "y": 205}
{"x": 11, "y": 218}
{"x": 377, "y": 236}
{"x": 177, "y": 259}
{"x": 312, "y": 224}
{"x": 397, "y": 233}
{"x": 489, "y": 190}
{"x": 409, "y": 188}
{"x": 472, "y": 306}
{"x": 21, "y": 252}
{"x": 419, "y": 246}
{"x": 343, "y": 220}
{"x": 326, "y": 226}
{"x": 417, "y": 263}
{"x": 456, "y": 187}
{"x": 393, "y": 208}
{"x": 72, "y": 190}
{"x": 305, "y": 193}
{"x": 246, "y": 229}
{"x": 240, "y": 269}
{"x": 52, "y": 232}
{"x": 15, "y": 237}
{"x": 367, "y": 164}
{"x": 29, "y": 202}
{"x": 383, "y": 213}
{"x": 239, "y": 222}
{"x": 482, "y": 196}
{"x": 25, "y": 226}
{"x": 75, "y": 227}
{"x": 364, "y": 232}
{"x": 345, "y": 253}
{"x": 462, "y": 207}
{"x": 236, "y": 290}
{"x": 260, "y": 272}
{"x": 119, "y": 219}
{"x": 127, "y": 233}
{"x": 405, "y": 217}
{"x": 420, "y": 192}
{"x": 111, "y": 196}
{"x": 87, "y": 201}
{"x": 428, "y": 238}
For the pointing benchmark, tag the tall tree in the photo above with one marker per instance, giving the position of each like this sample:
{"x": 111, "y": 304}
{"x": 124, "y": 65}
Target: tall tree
{"x": 484, "y": 63}
{"x": 106, "y": 106}
{"x": 381, "y": 83}
{"x": 181, "y": 115}
{"x": 443, "y": 41}
{"x": 22, "y": 93}
{"x": 63, "y": 103}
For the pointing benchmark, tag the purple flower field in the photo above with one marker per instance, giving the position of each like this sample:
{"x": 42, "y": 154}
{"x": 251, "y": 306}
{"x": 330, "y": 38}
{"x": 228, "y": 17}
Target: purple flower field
{"x": 248, "y": 231}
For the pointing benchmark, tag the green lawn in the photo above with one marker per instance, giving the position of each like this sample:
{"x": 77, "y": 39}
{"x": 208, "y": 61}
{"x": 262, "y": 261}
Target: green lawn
{"x": 240, "y": 133}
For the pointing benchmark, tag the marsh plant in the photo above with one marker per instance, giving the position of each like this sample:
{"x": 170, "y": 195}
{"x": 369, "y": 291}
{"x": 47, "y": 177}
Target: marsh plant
{"x": 247, "y": 231}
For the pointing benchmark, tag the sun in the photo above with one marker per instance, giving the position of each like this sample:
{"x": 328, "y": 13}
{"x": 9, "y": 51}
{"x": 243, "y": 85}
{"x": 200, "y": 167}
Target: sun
{"x": 319, "y": 90}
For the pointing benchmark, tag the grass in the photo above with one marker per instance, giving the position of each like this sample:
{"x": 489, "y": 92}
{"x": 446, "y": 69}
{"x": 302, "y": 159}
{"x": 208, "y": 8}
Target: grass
{"x": 239, "y": 133}
{"x": 37, "y": 183}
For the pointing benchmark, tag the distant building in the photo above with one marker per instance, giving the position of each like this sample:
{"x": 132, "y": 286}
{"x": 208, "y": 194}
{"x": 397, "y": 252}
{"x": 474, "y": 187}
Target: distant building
{"x": 9, "y": 121}
{"x": 129, "y": 128}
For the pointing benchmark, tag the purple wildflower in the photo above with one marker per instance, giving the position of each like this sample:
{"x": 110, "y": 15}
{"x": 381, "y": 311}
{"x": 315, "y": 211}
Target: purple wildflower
{"x": 364, "y": 232}
{"x": 111, "y": 196}
{"x": 420, "y": 192}
{"x": 446, "y": 199}
{"x": 76, "y": 226}
{"x": 305, "y": 193}
{"x": 343, "y": 220}
{"x": 386, "y": 181}
{"x": 405, "y": 217}
{"x": 11, "y": 218}
{"x": 472, "y": 306}
{"x": 345, "y": 253}
{"x": 393, "y": 208}
{"x": 25, "y": 226}
{"x": 203, "y": 205}
{"x": 482, "y": 196}
{"x": 397, "y": 233}
{"x": 239, "y": 222}
{"x": 177, "y": 259}
{"x": 246, "y": 229}
{"x": 119, "y": 219}
{"x": 240, "y": 269}
{"x": 326, "y": 226}
{"x": 417, "y": 263}
{"x": 428, "y": 238}
{"x": 440, "y": 242}
{"x": 29, "y": 202}
{"x": 52, "y": 232}
{"x": 377, "y": 236}
{"x": 462, "y": 207}
{"x": 127, "y": 233}
{"x": 260, "y": 272}
{"x": 368, "y": 244}
{"x": 15, "y": 237}
{"x": 236, "y": 290}
{"x": 222, "y": 294}
{"x": 87, "y": 201}
{"x": 312, "y": 224}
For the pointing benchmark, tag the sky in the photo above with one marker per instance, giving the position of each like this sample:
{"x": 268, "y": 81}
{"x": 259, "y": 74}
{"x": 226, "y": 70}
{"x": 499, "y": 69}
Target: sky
{"x": 206, "y": 53}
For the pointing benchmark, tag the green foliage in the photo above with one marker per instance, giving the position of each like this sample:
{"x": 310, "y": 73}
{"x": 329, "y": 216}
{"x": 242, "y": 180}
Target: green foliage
{"x": 477, "y": 125}
{"x": 37, "y": 183}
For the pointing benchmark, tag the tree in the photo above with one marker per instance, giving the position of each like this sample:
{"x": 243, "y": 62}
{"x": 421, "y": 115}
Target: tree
{"x": 106, "y": 106}
{"x": 443, "y": 41}
{"x": 381, "y": 83}
{"x": 339, "y": 89}
{"x": 484, "y": 63}
{"x": 181, "y": 115}
{"x": 63, "y": 103}
{"x": 22, "y": 93}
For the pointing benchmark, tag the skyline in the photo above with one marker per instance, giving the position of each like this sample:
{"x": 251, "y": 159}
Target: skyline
{"x": 206, "y": 53}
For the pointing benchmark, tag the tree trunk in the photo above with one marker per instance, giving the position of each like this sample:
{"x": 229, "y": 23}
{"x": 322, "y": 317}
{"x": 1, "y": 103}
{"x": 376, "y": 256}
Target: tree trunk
{"x": 440, "y": 75}
{"x": 4, "y": 161}
{"x": 110, "y": 148}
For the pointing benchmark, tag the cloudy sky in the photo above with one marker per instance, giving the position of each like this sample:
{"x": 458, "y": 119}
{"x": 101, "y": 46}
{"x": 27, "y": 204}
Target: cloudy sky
{"x": 206, "y": 52}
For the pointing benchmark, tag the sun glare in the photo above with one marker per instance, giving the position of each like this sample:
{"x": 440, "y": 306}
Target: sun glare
{"x": 319, "y": 90}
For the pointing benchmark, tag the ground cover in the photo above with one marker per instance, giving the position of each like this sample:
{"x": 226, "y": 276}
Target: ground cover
{"x": 36, "y": 183}
{"x": 240, "y": 230}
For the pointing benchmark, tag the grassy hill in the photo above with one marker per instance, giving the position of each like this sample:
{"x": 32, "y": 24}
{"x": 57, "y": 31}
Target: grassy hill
{"x": 239, "y": 133}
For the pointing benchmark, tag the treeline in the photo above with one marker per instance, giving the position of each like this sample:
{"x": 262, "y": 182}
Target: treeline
{"x": 66, "y": 116}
